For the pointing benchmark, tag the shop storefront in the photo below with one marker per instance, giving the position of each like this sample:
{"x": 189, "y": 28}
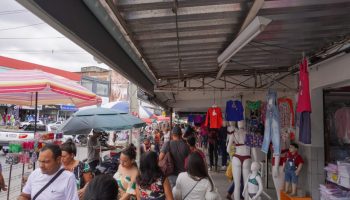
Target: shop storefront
{"x": 329, "y": 153}
{"x": 66, "y": 111}
{"x": 49, "y": 113}
{"x": 27, "y": 112}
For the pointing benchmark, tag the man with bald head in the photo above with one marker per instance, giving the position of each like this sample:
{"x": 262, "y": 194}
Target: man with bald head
{"x": 63, "y": 184}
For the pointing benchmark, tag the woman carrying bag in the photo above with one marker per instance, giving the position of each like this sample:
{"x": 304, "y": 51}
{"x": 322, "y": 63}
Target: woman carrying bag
{"x": 196, "y": 182}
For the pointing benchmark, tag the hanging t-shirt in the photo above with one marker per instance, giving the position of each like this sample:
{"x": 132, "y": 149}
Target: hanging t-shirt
{"x": 234, "y": 111}
{"x": 198, "y": 119}
{"x": 304, "y": 102}
{"x": 190, "y": 118}
{"x": 214, "y": 118}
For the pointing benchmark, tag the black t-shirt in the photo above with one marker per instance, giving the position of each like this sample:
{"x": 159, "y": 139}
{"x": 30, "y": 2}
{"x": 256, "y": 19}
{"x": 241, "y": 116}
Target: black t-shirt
{"x": 179, "y": 150}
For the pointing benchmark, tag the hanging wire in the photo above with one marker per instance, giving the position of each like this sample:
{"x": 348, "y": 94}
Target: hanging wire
{"x": 214, "y": 97}
{"x": 18, "y": 27}
{"x": 220, "y": 103}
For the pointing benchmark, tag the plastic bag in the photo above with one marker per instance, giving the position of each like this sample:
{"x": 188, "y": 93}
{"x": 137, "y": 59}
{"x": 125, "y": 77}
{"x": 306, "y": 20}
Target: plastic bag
{"x": 228, "y": 173}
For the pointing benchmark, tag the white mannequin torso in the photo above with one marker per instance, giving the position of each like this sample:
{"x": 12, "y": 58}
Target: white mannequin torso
{"x": 240, "y": 166}
{"x": 238, "y": 138}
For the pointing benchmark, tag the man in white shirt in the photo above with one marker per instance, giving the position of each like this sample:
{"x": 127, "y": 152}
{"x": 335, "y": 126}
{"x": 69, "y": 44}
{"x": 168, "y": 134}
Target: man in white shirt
{"x": 64, "y": 187}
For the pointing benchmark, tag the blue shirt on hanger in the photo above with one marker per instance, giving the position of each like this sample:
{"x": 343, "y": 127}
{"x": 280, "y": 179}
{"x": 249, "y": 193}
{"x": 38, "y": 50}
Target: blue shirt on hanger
{"x": 234, "y": 111}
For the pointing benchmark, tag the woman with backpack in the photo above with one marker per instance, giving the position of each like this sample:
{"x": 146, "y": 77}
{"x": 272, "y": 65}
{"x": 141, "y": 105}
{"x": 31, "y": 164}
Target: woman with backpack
{"x": 178, "y": 150}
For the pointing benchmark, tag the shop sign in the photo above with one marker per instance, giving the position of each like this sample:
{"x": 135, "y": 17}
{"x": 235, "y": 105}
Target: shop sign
{"x": 55, "y": 107}
{"x": 68, "y": 108}
{"x": 40, "y": 107}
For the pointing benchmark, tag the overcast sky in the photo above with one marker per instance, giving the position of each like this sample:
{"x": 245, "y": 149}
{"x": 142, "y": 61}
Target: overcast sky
{"x": 25, "y": 37}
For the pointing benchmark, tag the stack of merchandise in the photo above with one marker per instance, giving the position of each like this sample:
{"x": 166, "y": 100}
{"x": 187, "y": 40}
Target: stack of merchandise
{"x": 332, "y": 192}
{"x": 344, "y": 173}
{"x": 339, "y": 174}
{"x": 332, "y": 172}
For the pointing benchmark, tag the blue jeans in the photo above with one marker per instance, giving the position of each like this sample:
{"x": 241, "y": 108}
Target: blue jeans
{"x": 272, "y": 125}
{"x": 290, "y": 168}
{"x": 290, "y": 176}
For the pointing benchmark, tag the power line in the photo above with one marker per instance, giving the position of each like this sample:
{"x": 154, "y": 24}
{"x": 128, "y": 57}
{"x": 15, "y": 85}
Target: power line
{"x": 30, "y": 38}
{"x": 71, "y": 53}
{"x": 18, "y": 27}
{"x": 13, "y": 12}
{"x": 6, "y": 11}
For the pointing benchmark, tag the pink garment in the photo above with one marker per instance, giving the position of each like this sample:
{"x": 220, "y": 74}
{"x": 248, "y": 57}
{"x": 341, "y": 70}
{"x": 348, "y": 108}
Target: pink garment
{"x": 342, "y": 125}
{"x": 304, "y": 102}
{"x": 203, "y": 130}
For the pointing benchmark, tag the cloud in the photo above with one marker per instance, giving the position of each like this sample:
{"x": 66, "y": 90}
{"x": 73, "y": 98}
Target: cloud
{"x": 58, "y": 52}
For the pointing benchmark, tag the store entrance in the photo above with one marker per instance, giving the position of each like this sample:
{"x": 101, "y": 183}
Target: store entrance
{"x": 336, "y": 124}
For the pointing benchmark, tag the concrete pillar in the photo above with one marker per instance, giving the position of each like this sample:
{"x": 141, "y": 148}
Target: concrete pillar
{"x": 133, "y": 102}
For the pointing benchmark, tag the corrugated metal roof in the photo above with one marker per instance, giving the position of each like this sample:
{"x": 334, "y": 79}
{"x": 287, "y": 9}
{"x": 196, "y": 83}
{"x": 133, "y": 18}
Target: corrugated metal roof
{"x": 207, "y": 27}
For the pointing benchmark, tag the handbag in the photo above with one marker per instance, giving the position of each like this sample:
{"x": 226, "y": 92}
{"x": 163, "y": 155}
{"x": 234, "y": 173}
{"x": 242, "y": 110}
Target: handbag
{"x": 48, "y": 184}
{"x": 167, "y": 164}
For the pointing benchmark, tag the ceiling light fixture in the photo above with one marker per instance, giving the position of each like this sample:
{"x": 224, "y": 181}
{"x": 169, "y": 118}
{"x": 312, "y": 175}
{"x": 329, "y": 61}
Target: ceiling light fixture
{"x": 248, "y": 34}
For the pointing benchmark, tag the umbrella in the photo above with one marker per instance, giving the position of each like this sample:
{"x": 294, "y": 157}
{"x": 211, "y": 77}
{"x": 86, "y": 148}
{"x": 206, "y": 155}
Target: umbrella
{"x": 122, "y": 106}
{"x": 21, "y": 86}
{"x": 33, "y": 87}
{"x": 82, "y": 122}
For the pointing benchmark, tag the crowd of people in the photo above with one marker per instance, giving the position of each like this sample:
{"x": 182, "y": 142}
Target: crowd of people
{"x": 61, "y": 176}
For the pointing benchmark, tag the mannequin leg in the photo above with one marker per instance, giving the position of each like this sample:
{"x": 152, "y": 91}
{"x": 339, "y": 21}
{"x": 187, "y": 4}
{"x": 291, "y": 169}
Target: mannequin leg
{"x": 254, "y": 154}
{"x": 294, "y": 189}
{"x": 279, "y": 181}
{"x": 246, "y": 170}
{"x": 286, "y": 190}
{"x": 237, "y": 172}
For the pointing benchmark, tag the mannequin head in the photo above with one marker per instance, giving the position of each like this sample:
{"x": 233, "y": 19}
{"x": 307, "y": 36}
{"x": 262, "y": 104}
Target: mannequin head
{"x": 255, "y": 167}
{"x": 293, "y": 148}
{"x": 241, "y": 124}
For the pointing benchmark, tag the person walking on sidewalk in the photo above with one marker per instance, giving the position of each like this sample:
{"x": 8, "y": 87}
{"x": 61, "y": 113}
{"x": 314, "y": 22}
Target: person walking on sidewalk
{"x": 50, "y": 180}
{"x": 213, "y": 149}
{"x": 179, "y": 150}
{"x": 196, "y": 182}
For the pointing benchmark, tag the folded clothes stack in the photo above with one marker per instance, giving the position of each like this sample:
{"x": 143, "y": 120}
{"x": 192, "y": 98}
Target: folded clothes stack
{"x": 332, "y": 192}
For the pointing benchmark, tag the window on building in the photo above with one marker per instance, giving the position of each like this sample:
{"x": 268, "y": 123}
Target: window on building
{"x": 87, "y": 84}
{"x": 102, "y": 89}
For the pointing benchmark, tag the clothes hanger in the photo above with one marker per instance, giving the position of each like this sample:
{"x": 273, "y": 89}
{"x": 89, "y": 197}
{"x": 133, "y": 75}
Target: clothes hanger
{"x": 214, "y": 105}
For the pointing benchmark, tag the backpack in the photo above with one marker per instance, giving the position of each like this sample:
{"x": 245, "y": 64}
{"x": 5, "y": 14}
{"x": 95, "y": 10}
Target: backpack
{"x": 167, "y": 164}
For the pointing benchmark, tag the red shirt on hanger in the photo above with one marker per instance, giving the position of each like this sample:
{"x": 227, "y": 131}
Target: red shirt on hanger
{"x": 214, "y": 118}
{"x": 304, "y": 101}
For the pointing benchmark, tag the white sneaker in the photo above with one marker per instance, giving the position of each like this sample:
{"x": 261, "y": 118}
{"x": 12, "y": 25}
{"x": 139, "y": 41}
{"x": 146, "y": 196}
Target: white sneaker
{"x": 223, "y": 168}
{"x": 209, "y": 169}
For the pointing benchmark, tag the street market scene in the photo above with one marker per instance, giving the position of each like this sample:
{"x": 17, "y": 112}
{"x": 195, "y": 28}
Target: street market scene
{"x": 174, "y": 99}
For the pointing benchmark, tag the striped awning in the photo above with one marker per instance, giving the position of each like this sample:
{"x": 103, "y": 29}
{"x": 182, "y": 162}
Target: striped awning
{"x": 19, "y": 87}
